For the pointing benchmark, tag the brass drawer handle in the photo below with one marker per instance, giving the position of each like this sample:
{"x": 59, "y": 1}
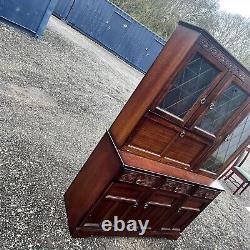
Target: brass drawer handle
{"x": 203, "y": 100}
{"x": 135, "y": 204}
{"x": 179, "y": 210}
{"x": 145, "y": 205}
{"x": 139, "y": 181}
{"x": 211, "y": 107}
{"x": 182, "y": 134}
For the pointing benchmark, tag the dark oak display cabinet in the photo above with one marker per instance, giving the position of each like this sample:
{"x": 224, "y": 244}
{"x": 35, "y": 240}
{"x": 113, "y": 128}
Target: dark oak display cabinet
{"x": 159, "y": 161}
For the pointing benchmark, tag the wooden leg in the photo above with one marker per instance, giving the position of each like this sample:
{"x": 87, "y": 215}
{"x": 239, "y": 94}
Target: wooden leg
{"x": 245, "y": 188}
{"x": 239, "y": 187}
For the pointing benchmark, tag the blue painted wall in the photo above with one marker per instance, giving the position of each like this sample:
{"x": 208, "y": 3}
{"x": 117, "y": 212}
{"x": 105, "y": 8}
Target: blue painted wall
{"x": 31, "y": 15}
{"x": 111, "y": 27}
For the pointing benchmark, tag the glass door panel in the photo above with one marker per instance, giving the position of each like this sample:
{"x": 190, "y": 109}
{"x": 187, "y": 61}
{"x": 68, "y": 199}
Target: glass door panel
{"x": 198, "y": 74}
{"x": 222, "y": 109}
{"x": 228, "y": 147}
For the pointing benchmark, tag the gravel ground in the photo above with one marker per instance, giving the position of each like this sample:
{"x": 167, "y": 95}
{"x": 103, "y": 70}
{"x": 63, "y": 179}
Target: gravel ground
{"x": 57, "y": 97}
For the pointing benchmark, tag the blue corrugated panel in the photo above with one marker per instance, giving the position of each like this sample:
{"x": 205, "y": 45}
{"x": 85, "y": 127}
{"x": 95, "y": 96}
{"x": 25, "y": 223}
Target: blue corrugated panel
{"x": 31, "y": 15}
{"x": 114, "y": 29}
{"x": 63, "y": 8}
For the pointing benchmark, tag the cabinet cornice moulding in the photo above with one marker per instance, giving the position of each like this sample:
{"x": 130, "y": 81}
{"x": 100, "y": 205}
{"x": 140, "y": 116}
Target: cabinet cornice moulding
{"x": 232, "y": 65}
{"x": 208, "y": 42}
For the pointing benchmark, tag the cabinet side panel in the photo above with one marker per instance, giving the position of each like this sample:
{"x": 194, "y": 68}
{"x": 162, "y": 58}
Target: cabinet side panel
{"x": 159, "y": 75}
{"x": 94, "y": 177}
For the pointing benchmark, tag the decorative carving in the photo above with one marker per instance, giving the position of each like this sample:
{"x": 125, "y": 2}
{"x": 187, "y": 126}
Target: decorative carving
{"x": 222, "y": 58}
{"x": 205, "y": 193}
{"x": 201, "y": 192}
{"x": 168, "y": 185}
{"x": 211, "y": 195}
{"x": 182, "y": 188}
{"x": 177, "y": 187}
{"x": 129, "y": 177}
{"x": 146, "y": 180}
{"x": 139, "y": 179}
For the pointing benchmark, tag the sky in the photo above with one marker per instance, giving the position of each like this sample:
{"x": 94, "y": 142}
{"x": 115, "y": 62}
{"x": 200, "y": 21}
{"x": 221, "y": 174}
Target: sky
{"x": 236, "y": 6}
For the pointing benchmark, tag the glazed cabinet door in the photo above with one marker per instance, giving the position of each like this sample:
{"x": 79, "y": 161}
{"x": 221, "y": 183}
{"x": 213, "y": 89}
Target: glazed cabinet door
{"x": 224, "y": 152}
{"x": 190, "y": 88}
{"x": 206, "y": 102}
{"x": 227, "y": 103}
{"x": 165, "y": 133}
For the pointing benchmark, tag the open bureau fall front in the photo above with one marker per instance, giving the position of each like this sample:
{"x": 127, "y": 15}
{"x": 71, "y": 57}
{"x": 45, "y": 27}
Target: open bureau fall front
{"x": 185, "y": 123}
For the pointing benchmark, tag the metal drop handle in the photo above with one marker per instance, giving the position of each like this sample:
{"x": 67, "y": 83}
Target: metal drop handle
{"x": 211, "y": 106}
{"x": 145, "y": 205}
{"x": 135, "y": 204}
{"x": 179, "y": 210}
{"x": 182, "y": 134}
{"x": 203, "y": 100}
{"x": 139, "y": 181}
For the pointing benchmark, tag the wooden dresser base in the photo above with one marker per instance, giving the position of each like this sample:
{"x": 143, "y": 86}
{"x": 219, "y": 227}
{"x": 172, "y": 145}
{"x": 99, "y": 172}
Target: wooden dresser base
{"x": 115, "y": 183}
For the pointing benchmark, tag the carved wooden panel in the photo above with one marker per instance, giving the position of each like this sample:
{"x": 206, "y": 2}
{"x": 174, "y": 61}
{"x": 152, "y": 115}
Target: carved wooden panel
{"x": 141, "y": 179}
{"x": 175, "y": 186}
{"x": 232, "y": 65}
{"x": 206, "y": 193}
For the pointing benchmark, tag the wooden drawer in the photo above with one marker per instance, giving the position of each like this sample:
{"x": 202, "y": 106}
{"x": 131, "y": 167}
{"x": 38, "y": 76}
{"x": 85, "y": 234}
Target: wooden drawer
{"x": 138, "y": 178}
{"x": 206, "y": 193}
{"x": 176, "y": 186}
{"x": 152, "y": 181}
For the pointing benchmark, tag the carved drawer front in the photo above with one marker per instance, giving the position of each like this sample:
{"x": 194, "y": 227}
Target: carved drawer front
{"x": 141, "y": 179}
{"x": 176, "y": 186}
{"x": 206, "y": 193}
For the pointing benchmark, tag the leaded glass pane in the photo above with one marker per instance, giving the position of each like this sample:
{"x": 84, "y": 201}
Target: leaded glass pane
{"x": 224, "y": 107}
{"x": 228, "y": 147}
{"x": 190, "y": 84}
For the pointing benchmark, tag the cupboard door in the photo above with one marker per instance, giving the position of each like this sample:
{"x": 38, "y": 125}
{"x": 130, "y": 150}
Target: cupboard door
{"x": 225, "y": 107}
{"x": 190, "y": 88}
{"x": 159, "y": 206}
{"x": 151, "y": 138}
{"x": 187, "y": 213}
{"x": 184, "y": 149}
{"x": 184, "y": 215}
{"x": 160, "y": 140}
{"x": 120, "y": 200}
